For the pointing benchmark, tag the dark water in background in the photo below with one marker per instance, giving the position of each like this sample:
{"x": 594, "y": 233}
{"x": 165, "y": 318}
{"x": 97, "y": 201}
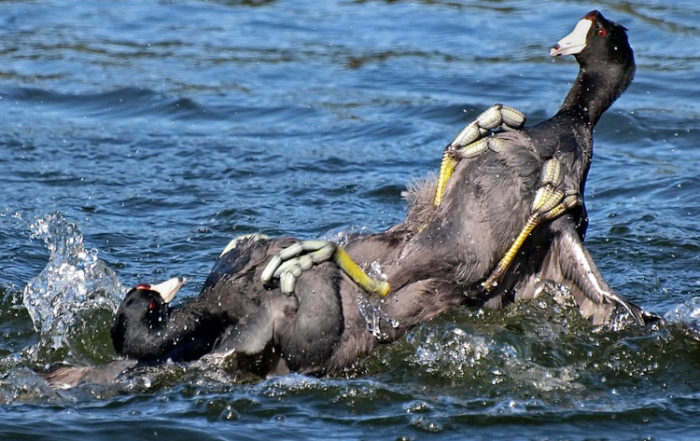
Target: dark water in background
{"x": 138, "y": 138}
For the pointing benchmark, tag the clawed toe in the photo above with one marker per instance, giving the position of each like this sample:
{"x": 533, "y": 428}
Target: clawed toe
{"x": 291, "y": 262}
{"x": 472, "y": 141}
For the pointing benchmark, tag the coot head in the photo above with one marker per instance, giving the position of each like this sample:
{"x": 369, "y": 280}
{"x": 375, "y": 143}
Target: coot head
{"x": 606, "y": 63}
{"x": 144, "y": 312}
{"x": 596, "y": 40}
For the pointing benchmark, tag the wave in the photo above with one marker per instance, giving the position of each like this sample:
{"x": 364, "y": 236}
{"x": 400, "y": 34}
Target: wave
{"x": 127, "y": 102}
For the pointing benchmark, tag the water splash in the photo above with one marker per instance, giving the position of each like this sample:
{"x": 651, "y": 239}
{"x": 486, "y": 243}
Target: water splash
{"x": 342, "y": 235}
{"x": 74, "y": 280}
{"x": 456, "y": 353}
{"x": 375, "y": 271}
{"x": 454, "y": 348}
{"x": 371, "y": 312}
{"x": 374, "y": 316}
{"x": 687, "y": 314}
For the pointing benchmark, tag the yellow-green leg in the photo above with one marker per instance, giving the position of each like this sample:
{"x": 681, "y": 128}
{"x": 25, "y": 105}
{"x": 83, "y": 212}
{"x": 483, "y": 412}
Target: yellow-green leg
{"x": 447, "y": 167}
{"x": 361, "y": 278}
{"x": 549, "y": 203}
{"x": 289, "y": 263}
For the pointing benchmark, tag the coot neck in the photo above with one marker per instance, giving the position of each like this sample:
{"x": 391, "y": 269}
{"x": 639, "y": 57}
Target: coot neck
{"x": 181, "y": 334}
{"x": 188, "y": 334}
{"x": 596, "y": 87}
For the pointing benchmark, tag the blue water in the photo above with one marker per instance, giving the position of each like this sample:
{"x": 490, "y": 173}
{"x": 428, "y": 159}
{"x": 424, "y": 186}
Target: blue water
{"x": 138, "y": 138}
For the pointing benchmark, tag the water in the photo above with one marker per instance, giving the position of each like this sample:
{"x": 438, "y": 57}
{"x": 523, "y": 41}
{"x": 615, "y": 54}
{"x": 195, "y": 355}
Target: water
{"x": 138, "y": 138}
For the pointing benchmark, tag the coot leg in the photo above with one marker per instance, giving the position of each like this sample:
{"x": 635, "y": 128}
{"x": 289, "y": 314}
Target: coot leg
{"x": 470, "y": 142}
{"x": 289, "y": 263}
{"x": 551, "y": 201}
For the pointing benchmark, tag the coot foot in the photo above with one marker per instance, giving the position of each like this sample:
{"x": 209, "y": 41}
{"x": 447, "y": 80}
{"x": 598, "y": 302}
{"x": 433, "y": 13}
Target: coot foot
{"x": 471, "y": 142}
{"x": 551, "y": 201}
{"x": 289, "y": 263}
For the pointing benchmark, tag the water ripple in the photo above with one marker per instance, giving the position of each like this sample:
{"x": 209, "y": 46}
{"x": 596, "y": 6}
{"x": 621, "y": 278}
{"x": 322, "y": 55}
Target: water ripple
{"x": 159, "y": 131}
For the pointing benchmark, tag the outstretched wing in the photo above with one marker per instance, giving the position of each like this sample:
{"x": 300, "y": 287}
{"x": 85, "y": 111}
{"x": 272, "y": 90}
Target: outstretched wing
{"x": 570, "y": 264}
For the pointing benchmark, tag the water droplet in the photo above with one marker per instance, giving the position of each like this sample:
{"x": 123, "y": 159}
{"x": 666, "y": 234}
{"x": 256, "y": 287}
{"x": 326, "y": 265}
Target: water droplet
{"x": 374, "y": 317}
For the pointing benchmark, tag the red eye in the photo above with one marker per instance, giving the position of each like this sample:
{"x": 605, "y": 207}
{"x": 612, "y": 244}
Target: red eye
{"x": 144, "y": 286}
{"x": 152, "y": 306}
{"x": 602, "y": 32}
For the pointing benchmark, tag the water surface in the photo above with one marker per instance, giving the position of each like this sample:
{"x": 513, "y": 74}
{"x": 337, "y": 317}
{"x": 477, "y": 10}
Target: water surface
{"x": 138, "y": 138}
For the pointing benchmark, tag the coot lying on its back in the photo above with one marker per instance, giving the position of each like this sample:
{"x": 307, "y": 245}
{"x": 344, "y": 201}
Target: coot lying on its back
{"x": 526, "y": 182}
